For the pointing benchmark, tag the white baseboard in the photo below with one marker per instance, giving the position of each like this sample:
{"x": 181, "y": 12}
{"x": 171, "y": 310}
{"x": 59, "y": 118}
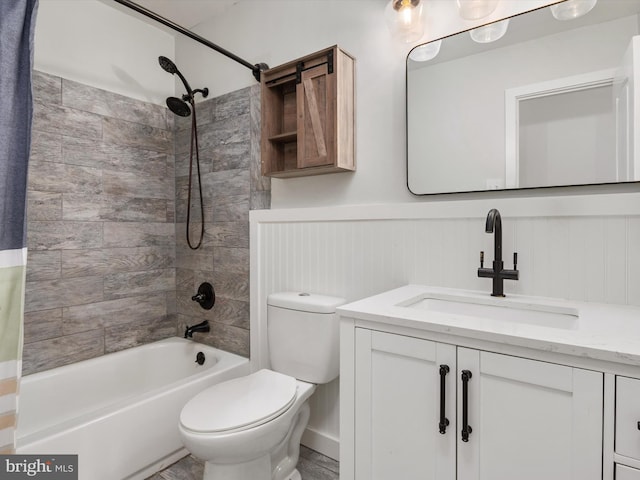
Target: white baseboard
{"x": 322, "y": 443}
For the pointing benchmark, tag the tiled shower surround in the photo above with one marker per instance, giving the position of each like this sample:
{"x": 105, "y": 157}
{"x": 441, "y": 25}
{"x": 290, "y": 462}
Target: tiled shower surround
{"x": 229, "y": 141}
{"x": 108, "y": 267}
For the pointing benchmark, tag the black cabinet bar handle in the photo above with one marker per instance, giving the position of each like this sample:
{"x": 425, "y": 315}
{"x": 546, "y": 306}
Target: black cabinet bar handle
{"x": 444, "y": 422}
{"x": 466, "y": 429}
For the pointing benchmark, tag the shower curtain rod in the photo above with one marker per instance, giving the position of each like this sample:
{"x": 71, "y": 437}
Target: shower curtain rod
{"x": 256, "y": 69}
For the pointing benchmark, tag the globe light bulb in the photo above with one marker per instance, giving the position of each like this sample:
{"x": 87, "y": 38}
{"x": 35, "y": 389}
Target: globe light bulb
{"x": 404, "y": 19}
{"x": 572, "y": 9}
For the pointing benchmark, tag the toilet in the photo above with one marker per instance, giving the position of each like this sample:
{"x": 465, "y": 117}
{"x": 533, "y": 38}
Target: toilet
{"x": 249, "y": 428}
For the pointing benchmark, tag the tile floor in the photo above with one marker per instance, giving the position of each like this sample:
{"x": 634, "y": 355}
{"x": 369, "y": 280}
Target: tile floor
{"x": 312, "y": 466}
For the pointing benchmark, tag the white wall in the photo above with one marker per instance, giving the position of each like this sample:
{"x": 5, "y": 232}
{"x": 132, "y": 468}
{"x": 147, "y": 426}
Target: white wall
{"x": 563, "y": 138}
{"x": 277, "y": 31}
{"x": 96, "y": 44}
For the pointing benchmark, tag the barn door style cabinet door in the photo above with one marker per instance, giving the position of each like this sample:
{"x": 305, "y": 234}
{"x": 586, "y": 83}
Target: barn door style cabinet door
{"x": 308, "y": 114}
{"x": 424, "y": 410}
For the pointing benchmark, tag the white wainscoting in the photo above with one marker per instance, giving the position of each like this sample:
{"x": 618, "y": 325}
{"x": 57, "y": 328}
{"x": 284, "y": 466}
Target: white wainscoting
{"x": 581, "y": 248}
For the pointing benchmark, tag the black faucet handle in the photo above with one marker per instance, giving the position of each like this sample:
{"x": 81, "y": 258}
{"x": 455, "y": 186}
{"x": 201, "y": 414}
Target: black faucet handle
{"x": 515, "y": 260}
{"x": 206, "y": 296}
{"x": 481, "y": 259}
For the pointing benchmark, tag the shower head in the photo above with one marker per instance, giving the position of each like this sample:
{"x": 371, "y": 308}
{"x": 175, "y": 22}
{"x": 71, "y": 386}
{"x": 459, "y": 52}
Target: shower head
{"x": 167, "y": 65}
{"x": 178, "y": 106}
{"x": 170, "y": 67}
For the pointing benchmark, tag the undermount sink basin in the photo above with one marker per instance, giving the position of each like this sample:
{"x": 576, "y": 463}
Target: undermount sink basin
{"x": 503, "y": 310}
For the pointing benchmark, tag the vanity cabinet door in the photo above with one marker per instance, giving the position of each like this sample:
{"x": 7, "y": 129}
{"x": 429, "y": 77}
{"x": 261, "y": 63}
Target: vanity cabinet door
{"x": 530, "y": 420}
{"x": 628, "y": 417}
{"x": 397, "y": 408}
{"x": 627, "y": 473}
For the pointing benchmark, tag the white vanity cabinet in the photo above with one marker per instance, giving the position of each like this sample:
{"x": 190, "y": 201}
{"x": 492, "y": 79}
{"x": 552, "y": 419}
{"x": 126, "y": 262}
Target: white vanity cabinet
{"x": 528, "y": 419}
{"x": 551, "y": 388}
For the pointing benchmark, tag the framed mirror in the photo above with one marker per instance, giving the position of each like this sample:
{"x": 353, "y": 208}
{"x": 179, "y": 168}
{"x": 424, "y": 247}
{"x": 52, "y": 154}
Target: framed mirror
{"x": 529, "y": 102}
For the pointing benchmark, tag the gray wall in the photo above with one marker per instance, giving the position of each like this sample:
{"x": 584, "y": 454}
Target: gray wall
{"x": 103, "y": 267}
{"x": 229, "y": 141}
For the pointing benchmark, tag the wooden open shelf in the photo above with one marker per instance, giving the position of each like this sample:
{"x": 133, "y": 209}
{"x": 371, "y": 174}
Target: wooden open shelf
{"x": 285, "y": 137}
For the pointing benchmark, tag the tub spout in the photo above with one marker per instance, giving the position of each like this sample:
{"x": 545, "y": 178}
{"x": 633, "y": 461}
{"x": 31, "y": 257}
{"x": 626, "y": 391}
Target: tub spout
{"x": 202, "y": 327}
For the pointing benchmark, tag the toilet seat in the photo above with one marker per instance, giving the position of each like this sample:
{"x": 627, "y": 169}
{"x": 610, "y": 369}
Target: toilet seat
{"x": 239, "y": 404}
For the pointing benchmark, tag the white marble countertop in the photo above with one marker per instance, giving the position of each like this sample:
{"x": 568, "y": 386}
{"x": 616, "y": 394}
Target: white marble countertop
{"x": 598, "y": 331}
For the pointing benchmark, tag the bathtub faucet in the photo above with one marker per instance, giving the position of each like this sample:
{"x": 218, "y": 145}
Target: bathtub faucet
{"x": 201, "y": 327}
{"x": 206, "y": 296}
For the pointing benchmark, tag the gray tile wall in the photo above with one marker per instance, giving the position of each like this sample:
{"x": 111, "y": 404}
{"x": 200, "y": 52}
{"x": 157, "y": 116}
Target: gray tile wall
{"x": 108, "y": 265}
{"x": 229, "y": 141}
{"x": 101, "y": 234}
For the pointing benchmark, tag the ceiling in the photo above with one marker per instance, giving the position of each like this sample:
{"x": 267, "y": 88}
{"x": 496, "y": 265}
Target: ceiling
{"x": 187, "y": 13}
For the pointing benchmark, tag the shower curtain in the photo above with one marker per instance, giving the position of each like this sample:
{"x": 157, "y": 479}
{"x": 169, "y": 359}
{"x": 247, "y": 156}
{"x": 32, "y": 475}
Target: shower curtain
{"x": 17, "y": 23}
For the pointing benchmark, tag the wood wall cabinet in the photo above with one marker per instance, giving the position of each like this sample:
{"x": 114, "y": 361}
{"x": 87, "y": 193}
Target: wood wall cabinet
{"x": 527, "y": 419}
{"x": 308, "y": 114}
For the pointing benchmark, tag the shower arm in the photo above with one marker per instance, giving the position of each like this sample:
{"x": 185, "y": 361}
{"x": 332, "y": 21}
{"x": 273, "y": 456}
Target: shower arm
{"x": 256, "y": 69}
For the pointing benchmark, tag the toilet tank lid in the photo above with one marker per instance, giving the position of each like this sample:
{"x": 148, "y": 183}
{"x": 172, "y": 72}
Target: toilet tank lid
{"x": 305, "y": 302}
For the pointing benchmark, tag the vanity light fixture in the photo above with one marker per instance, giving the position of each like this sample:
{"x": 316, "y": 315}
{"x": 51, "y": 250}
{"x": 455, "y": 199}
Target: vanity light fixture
{"x": 426, "y": 52}
{"x": 572, "y": 9}
{"x": 490, "y": 33}
{"x": 476, "y": 9}
{"x": 404, "y": 19}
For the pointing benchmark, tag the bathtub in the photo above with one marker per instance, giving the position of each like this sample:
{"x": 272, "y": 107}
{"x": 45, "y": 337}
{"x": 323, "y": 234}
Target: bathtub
{"x": 119, "y": 412}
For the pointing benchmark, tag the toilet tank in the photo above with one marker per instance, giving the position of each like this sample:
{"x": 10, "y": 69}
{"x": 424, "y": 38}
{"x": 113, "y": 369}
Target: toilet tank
{"x": 303, "y": 335}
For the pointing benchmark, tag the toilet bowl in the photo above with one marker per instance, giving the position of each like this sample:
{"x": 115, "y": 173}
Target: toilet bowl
{"x": 249, "y": 428}
{"x": 242, "y": 428}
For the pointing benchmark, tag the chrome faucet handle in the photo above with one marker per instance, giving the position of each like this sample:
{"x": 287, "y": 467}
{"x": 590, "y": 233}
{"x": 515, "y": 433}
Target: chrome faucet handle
{"x": 199, "y": 297}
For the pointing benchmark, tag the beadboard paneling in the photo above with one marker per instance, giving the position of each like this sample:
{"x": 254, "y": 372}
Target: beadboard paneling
{"x": 564, "y": 251}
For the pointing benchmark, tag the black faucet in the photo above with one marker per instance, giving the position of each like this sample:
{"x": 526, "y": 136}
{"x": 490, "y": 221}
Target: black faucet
{"x": 206, "y": 296}
{"x": 200, "y": 327}
{"x": 498, "y": 273}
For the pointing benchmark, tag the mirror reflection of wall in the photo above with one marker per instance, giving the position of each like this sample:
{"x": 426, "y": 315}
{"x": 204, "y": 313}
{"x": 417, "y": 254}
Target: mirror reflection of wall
{"x": 562, "y": 138}
{"x": 458, "y": 103}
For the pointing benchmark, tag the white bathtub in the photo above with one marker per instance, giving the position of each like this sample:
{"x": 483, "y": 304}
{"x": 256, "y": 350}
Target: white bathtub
{"x": 119, "y": 412}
